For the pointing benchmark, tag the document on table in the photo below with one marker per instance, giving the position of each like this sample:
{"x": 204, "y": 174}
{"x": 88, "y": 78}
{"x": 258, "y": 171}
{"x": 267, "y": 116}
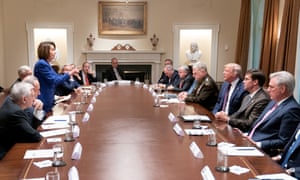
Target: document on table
{"x": 244, "y": 151}
{"x": 276, "y": 176}
{"x": 198, "y": 132}
{"x": 55, "y": 126}
{"x": 196, "y": 117}
{"x": 53, "y": 132}
{"x": 57, "y": 119}
{"x": 39, "y": 153}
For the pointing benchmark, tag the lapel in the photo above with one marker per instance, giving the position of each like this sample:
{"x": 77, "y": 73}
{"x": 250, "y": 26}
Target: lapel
{"x": 236, "y": 90}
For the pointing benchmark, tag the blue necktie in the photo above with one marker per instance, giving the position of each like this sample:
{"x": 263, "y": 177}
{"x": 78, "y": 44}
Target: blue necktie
{"x": 290, "y": 152}
{"x": 192, "y": 87}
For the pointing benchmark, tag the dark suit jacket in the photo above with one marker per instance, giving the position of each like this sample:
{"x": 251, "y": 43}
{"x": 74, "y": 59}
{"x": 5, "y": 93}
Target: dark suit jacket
{"x": 90, "y": 77}
{"x": 235, "y": 100}
{"x": 205, "y": 93}
{"x": 110, "y": 74}
{"x": 14, "y": 127}
{"x": 187, "y": 83}
{"x": 66, "y": 87}
{"x": 276, "y": 130}
{"x": 248, "y": 113}
{"x": 294, "y": 160}
{"x": 164, "y": 79}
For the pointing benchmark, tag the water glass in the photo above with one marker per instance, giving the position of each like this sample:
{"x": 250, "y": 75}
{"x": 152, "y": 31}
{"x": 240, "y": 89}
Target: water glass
{"x": 52, "y": 175}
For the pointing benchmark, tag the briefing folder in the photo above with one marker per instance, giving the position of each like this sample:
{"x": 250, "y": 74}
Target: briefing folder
{"x": 195, "y": 117}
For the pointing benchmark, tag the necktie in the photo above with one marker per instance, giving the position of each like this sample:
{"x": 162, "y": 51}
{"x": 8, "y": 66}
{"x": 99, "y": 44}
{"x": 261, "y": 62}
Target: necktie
{"x": 290, "y": 152}
{"x": 87, "y": 82}
{"x": 226, "y": 98}
{"x": 192, "y": 87}
{"x": 181, "y": 83}
{"x": 262, "y": 120}
{"x": 117, "y": 74}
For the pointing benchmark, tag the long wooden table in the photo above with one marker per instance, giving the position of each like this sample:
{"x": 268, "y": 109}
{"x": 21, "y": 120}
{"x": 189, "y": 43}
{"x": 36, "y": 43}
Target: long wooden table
{"x": 127, "y": 138}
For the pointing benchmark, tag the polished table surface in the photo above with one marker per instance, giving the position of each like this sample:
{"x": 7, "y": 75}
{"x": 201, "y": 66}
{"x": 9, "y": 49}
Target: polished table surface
{"x": 127, "y": 138}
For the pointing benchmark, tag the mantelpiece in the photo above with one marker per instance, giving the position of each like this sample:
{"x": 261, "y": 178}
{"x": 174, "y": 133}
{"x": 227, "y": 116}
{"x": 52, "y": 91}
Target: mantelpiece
{"x": 139, "y": 57}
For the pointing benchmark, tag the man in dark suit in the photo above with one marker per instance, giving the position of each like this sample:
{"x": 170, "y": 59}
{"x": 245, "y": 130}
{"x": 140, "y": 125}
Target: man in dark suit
{"x": 164, "y": 78}
{"x": 114, "y": 72}
{"x": 172, "y": 76}
{"x": 14, "y": 123}
{"x": 291, "y": 160}
{"x": 69, "y": 86}
{"x": 85, "y": 76}
{"x": 206, "y": 90}
{"x": 276, "y": 124}
{"x": 185, "y": 81}
{"x": 252, "y": 105}
{"x": 232, "y": 91}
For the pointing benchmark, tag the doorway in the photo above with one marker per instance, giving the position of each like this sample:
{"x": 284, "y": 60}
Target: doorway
{"x": 206, "y": 36}
{"x": 61, "y": 34}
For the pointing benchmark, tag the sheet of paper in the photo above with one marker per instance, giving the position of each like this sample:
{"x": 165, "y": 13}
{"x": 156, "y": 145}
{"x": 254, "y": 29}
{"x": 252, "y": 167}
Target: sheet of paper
{"x": 39, "y": 153}
{"x": 276, "y": 176}
{"x": 244, "y": 151}
{"x": 55, "y": 126}
{"x": 238, "y": 170}
{"x": 195, "y": 117}
{"x": 43, "y": 164}
{"x": 57, "y": 119}
{"x": 53, "y": 132}
{"x": 198, "y": 132}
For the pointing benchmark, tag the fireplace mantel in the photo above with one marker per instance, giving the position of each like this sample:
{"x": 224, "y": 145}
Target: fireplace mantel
{"x": 139, "y": 57}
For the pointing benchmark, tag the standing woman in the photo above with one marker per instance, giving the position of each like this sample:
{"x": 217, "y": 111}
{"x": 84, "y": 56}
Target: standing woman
{"x": 47, "y": 77}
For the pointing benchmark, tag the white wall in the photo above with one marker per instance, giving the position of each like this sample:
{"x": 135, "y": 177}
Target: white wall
{"x": 162, "y": 15}
{"x": 1, "y": 47}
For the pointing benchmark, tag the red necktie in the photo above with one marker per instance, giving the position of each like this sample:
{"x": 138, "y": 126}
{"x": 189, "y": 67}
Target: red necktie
{"x": 87, "y": 80}
{"x": 226, "y": 98}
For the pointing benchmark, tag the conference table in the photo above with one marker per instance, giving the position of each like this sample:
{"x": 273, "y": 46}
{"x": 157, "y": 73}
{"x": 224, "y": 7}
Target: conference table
{"x": 126, "y": 137}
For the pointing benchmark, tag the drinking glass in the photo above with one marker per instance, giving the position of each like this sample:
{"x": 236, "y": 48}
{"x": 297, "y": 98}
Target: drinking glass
{"x": 52, "y": 175}
{"x": 58, "y": 151}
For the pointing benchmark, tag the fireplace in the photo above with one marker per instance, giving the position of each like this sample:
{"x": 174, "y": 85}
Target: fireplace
{"x": 136, "y": 64}
{"x": 131, "y": 72}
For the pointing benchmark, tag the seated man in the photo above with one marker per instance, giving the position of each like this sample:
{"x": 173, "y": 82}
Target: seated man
{"x": 275, "y": 126}
{"x": 186, "y": 79}
{"x": 290, "y": 156}
{"x": 252, "y": 105}
{"x": 232, "y": 91}
{"x": 172, "y": 76}
{"x": 67, "y": 87}
{"x": 206, "y": 91}
{"x": 14, "y": 126}
{"x": 34, "y": 120}
{"x": 114, "y": 72}
{"x": 164, "y": 78}
{"x": 85, "y": 76}
{"x": 23, "y": 71}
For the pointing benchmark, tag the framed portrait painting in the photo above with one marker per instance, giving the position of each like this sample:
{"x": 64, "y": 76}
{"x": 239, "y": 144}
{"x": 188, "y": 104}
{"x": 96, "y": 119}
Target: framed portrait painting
{"x": 122, "y": 18}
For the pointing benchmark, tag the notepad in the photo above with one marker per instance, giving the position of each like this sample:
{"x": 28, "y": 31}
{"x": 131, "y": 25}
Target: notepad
{"x": 244, "y": 151}
{"x": 196, "y": 117}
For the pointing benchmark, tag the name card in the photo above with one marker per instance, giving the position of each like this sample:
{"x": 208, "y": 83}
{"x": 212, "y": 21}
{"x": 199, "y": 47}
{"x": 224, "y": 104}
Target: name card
{"x": 90, "y": 108}
{"x": 76, "y": 131}
{"x": 73, "y": 173}
{"x": 86, "y": 117}
{"x": 93, "y": 100}
{"x": 179, "y": 131}
{"x": 207, "y": 174}
{"x": 77, "y": 151}
{"x": 196, "y": 150}
{"x": 97, "y": 92}
{"x": 172, "y": 117}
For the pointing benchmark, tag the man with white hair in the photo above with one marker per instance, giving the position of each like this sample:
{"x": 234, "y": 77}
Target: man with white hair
{"x": 232, "y": 91}
{"x": 205, "y": 92}
{"x": 275, "y": 126}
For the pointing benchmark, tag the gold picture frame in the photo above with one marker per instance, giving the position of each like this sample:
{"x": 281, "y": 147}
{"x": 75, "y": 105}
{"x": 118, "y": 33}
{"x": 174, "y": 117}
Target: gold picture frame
{"x": 122, "y": 18}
